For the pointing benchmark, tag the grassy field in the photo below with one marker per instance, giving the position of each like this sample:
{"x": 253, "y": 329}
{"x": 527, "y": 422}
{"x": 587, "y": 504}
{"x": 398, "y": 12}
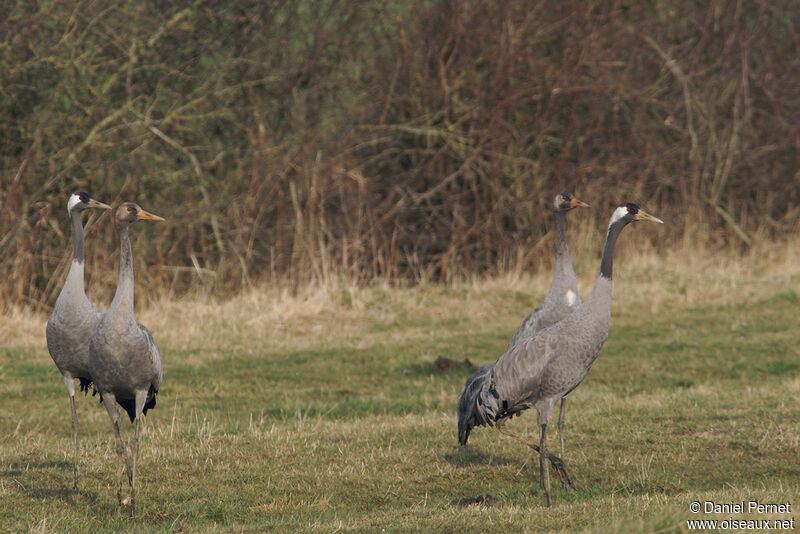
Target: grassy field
{"x": 325, "y": 410}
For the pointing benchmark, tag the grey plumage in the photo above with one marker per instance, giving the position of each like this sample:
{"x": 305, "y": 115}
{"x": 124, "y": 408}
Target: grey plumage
{"x": 124, "y": 360}
{"x": 548, "y": 365}
{"x": 74, "y": 318}
{"x": 562, "y": 299}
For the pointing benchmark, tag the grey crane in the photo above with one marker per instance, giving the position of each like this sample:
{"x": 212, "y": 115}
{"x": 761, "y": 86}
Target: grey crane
{"x": 74, "y": 318}
{"x": 548, "y": 365}
{"x": 124, "y": 360}
{"x": 562, "y": 299}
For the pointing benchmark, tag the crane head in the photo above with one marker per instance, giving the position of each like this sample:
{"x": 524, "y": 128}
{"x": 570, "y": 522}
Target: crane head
{"x": 81, "y": 200}
{"x": 566, "y": 201}
{"x": 630, "y": 212}
{"x": 130, "y": 212}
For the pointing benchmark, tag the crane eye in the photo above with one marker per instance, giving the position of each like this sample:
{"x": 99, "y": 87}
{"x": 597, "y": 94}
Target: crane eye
{"x": 130, "y": 210}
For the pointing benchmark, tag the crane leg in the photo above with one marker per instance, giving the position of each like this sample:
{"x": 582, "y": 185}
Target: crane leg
{"x": 541, "y": 473}
{"x": 69, "y": 381}
{"x": 110, "y": 403}
{"x": 141, "y": 397}
{"x": 555, "y": 461}
{"x": 561, "y": 426}
{"x": 545, "y": 466}
{"x": 75, "y": 438}
{"x": 135, "y": 454}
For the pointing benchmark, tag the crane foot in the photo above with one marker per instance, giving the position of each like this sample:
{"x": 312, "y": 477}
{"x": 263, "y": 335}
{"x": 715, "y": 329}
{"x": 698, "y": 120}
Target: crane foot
{"x": 561, "y": 470}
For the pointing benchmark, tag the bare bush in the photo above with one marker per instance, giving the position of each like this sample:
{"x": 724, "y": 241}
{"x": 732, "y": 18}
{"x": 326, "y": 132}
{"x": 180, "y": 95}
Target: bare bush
{"x": 307, "y": 141}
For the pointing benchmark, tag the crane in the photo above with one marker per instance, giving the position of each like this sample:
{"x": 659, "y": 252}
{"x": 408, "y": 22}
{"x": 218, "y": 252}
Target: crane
{"x": 74, "y": 318}
{"x": 562, "y": 299}
{"x": 124, "y": 360}
{"x": 546, "y": 366}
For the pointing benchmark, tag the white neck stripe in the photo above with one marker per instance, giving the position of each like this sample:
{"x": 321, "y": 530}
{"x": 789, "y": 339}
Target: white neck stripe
{"x": 74, "y": 199}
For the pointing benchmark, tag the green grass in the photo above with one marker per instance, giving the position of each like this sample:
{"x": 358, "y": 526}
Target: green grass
{"x": 343, "y": 422}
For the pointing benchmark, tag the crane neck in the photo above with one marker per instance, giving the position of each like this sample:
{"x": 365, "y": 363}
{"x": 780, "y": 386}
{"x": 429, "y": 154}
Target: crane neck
{"x": 599, "y": 301}
{"x": 79, "y": 255}
{"x": 74, "y": 282}
{"x": 600, "y": 298}
{"x": 123, "y": 298}
{"x": 562, "y": 251}
{"x": 607, "y": 263}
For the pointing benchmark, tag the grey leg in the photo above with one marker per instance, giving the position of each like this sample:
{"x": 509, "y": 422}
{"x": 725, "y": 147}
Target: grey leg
{"x": 556, "y": 462}
{"x": 135, "y": 454}
{"x": 70, "y": 383}
{"x": 110, "y": 403}
{"x": 141, "y": 398}
{"x": 545, "y": 465}
{"x": 75, "y": 437}
{"x": 541, "y": 468}
{"x": 561, "y": 434}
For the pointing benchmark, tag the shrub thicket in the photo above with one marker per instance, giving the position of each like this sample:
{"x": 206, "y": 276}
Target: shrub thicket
{"x": 300, "y": 140}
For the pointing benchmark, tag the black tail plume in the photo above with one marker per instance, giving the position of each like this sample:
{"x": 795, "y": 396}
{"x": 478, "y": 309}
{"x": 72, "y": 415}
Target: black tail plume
{"x": 468, "y": 414}
{"x": 85, "y": 383}
{"x": 129, "y": 405}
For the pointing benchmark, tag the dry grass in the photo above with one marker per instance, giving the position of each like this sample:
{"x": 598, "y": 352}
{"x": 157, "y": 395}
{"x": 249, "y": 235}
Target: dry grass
{"x": 335, "y": 312}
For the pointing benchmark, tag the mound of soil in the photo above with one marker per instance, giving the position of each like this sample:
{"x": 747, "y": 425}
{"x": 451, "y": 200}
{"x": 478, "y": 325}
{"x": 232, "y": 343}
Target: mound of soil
{"x": 443, "y": 364}
{"x": 483, "y": 500}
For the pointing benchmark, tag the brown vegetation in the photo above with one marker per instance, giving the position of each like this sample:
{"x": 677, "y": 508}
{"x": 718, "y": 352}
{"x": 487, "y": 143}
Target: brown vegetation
{"x": 307, "y": 141}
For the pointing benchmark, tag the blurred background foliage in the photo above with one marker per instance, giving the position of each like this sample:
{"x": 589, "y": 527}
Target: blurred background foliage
{"x": 304, "y": 141}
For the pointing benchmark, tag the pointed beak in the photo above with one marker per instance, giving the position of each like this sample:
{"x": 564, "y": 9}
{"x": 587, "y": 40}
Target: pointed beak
{"x": 97, "y": 204}
{"x": 575, "y": 203}
{"x": 147, "y": 216}
{"x": 644, "y": 216}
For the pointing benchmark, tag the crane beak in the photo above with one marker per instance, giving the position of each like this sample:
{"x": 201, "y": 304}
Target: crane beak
{"x": 147, "y": 216}
{"x": 644, "y": 216}
{"x": 97, "y": 204}
{"x": 575, "y": 203}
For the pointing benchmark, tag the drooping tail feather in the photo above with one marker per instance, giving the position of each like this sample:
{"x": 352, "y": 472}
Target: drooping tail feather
{"x": 85, "y": 383}
{"x": 469, "y": 415}
{"x": 129, "y": 405}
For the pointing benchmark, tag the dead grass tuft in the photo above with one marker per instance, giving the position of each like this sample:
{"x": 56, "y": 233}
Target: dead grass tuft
{"x": 21, "y": 327}
{"x": 336, "y": 312}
